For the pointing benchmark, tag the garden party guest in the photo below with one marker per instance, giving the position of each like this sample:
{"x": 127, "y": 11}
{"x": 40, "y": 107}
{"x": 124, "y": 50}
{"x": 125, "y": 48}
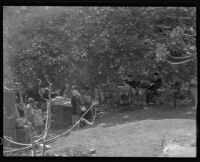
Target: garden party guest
{"x": 29, "y": 111}
{"x": 38, "y": 122}
{"x": 76, "y": 104}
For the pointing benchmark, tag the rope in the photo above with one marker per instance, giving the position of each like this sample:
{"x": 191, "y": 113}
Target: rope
{"x": 22, "y": 144}
{"x": 64, "y": 133}
{"x": 53, "y": 138}
{"x": 8, "y": 88}
{"x": 21, "y": 149}
{"x": 8, "y": 148}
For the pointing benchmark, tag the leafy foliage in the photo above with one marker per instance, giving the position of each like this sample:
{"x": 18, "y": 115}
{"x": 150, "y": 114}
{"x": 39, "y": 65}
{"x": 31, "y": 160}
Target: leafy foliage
{"x": 92, "y": 44}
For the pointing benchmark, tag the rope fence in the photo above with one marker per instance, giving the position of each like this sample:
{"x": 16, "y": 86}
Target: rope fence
{"x": 30, "y": 146}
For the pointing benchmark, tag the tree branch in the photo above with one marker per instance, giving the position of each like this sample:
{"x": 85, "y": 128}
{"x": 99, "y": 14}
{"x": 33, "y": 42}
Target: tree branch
{"x": 177, "y": 63}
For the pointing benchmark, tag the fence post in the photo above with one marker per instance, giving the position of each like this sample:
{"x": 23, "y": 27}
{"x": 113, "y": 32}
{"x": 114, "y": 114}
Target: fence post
{"x": 48, "y": 121}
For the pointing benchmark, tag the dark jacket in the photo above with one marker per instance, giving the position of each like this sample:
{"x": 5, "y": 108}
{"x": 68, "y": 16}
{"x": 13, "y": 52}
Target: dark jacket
{"x": 156, "y": 84}
{"x": 76, "y": 103}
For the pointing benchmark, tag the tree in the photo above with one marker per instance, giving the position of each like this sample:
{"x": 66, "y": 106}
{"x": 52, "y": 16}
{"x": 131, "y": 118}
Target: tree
{"x": 88, "y": 44}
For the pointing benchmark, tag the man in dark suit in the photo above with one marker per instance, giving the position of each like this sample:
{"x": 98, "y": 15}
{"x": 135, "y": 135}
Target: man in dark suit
{"x": 155, "y": 83}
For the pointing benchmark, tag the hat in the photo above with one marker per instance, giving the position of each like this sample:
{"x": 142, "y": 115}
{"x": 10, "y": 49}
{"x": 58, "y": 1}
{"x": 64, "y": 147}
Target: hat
{"x": 31, "y": 100}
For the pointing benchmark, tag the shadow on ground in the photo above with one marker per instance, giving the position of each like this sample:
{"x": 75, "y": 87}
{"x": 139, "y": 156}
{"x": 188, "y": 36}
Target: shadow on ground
{"x": 136, "y": 113}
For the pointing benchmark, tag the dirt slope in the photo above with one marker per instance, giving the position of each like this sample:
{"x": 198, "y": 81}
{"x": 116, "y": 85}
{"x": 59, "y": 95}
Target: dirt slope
{"x": 138, "y": 133}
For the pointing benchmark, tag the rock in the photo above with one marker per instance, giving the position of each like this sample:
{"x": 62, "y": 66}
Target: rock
{"x": 193, "y": 143}
{"x": 125, "y": 118}
{"x": 102, "y": 124}
{"x": 92, "y": 151}
{"x": 174, "y": 150}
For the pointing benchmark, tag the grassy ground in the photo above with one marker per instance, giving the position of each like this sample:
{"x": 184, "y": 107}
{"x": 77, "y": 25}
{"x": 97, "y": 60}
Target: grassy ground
{"x": 132, "y": 132}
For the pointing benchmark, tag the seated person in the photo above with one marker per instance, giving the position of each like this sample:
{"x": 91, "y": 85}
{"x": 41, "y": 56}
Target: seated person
{"x": 134, "y": 84}
{"x": 86, "y": 101}
{"x": 80, "y": 103}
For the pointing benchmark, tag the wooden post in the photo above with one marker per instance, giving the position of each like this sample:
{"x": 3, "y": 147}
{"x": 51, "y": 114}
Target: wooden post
{"x": 48, "y": 121}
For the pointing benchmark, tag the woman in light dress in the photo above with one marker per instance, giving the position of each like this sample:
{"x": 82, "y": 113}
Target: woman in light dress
{"x": 38, "y": 120}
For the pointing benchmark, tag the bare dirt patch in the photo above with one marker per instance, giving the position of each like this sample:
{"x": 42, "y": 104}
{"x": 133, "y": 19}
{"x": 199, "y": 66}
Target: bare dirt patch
{"x": 136, "y": 133}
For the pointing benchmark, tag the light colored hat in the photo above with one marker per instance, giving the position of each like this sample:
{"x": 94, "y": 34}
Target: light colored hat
{"x": 31, "y": 100}
{"x": 75, "y": 92}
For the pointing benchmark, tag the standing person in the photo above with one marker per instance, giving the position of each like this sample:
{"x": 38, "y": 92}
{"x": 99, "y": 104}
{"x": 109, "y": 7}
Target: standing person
{"x": 76, "y": 105}
{"x": 29, "y": 111}
{"x": 155, "y": 83}
{"x": 133, "y": 89}
{"x": 38, "y": 122}
{"x": 98, "y": 94}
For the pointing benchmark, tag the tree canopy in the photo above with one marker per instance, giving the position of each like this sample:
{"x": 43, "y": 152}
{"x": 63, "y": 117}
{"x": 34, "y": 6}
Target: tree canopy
{"x": 90, "y": 44}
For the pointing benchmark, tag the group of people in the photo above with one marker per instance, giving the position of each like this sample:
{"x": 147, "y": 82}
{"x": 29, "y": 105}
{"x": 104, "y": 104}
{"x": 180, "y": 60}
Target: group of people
{"x": 32, "y": 114}
{"x": 81, "y": 100}
{"x": 151, "y": 86}
{"x": 83, "y": 97}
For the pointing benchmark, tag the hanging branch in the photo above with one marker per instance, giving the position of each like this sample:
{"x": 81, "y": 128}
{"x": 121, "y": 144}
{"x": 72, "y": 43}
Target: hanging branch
{"x": 7, "y": 88}
{"x": 177, "y": 63}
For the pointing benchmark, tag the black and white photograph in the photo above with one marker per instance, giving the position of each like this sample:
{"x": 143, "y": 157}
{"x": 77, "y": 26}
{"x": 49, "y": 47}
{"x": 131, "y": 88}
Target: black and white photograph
{"x": 99, "y": 81}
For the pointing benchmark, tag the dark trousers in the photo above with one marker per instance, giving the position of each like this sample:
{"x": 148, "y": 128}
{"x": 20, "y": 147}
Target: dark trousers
{"x": 88, "y": 116}
{"x": 149, "y": 96}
